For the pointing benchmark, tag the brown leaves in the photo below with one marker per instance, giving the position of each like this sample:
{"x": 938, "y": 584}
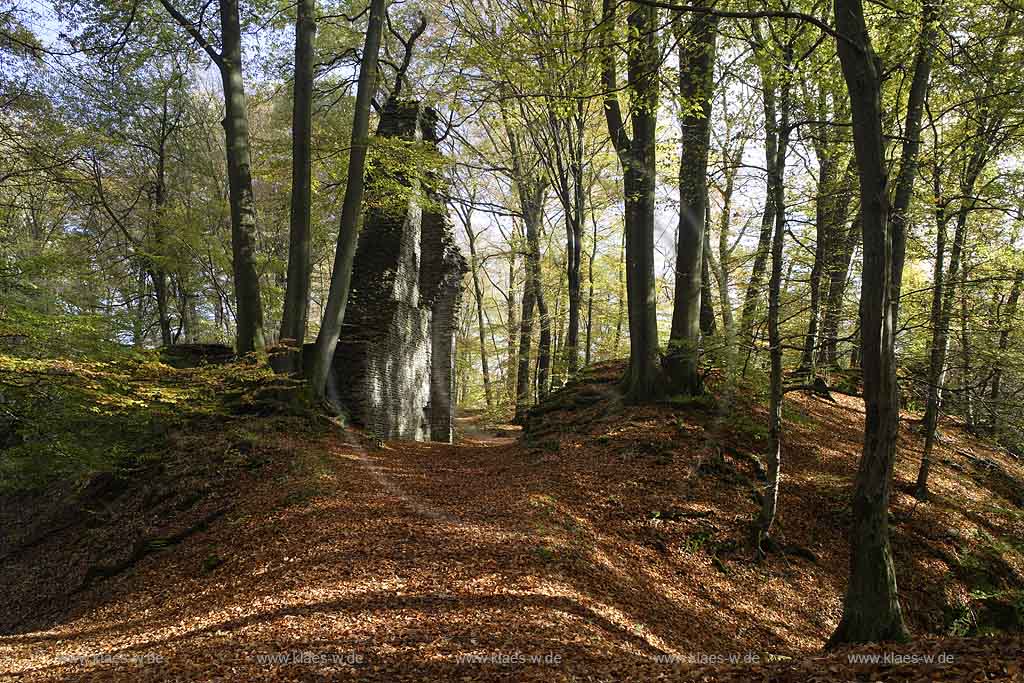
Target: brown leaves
{"x": 598, "y": 545}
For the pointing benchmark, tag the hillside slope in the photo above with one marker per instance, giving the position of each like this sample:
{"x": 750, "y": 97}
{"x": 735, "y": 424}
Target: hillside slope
{"x": 606, "y": 544}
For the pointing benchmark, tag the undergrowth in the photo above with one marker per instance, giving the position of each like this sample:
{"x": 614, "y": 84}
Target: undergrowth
{"x": 71, "y": 419}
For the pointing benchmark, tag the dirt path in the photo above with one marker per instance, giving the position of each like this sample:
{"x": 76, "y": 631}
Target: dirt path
{"x": 485, "y": 560}
{"x": 472, "y": 430}
{"x": 403, "y": 563}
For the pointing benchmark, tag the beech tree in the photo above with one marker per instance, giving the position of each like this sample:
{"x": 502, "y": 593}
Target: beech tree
{"x": 248, "y": 304}
{"x": 636, "y": 151}
{"x": 696, "y": 83}
{"x": 871, "y": 607}
{"x": 975, "y": 151}
{"x": 296, "y": 297}
{"x": 341, "y": 274}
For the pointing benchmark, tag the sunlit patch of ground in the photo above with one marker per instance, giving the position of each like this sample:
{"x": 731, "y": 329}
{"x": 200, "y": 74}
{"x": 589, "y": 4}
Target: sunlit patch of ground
{"x": 605, "y": 542}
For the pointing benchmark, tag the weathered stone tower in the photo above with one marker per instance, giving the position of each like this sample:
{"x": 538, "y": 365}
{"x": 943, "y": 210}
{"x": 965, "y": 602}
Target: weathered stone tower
{"x": 394, "y": 365}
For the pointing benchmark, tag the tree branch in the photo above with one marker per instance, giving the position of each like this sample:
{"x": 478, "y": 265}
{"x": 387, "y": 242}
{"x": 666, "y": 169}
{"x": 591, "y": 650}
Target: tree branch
{"x": 194, "y": 32}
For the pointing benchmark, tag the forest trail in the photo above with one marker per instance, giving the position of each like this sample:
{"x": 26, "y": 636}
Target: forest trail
{"x": 472, "y": 428}
{"x": 556, "y": 556}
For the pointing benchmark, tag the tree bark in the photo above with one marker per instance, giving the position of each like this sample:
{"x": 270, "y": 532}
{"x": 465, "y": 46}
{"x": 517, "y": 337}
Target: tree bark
{"x": 644, "y": 379}
{"x": 573, "y": 206}
{"x": 943, "y": 292}
{"x": 832, "y": 251}
{"x": 513, "y": 324}
{"x": 966, "y": 361}
{"x": 938, "y": 344}
{"x": 942, "y": 312}
{"x": 590, "y": 293}
{"x": 544, "y": 340}
{"x": 474, "y": 266}
{"x": 754, "y": 285}
{"x": 523, "y": 384}
{"x": 871, "y": 607}
{"x": 1004, "y": 345}
{"x": 911, "y": 146}
{"x": 620, "y": 308}
{"x": 838, "y": 277}
{"x": 296, "y": 297}
{"x": 530, "y": 187}
{"x": 341, "y": 274}
{"x": 159, "y": 272}
{"x": 824, "y": 227}
{"x": 696, "y": 85}
{"x": 707, "y": 308}
{"x": 724, "y": 258}
{"x": 769, "y": 502}
{"x": 248, "y": 304}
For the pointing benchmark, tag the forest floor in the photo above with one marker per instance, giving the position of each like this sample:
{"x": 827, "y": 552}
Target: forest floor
{"x": 604, "y": 543}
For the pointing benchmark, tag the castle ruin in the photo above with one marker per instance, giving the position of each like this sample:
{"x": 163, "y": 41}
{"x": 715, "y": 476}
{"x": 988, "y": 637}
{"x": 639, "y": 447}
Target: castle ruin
{"x": 394, "y": 367}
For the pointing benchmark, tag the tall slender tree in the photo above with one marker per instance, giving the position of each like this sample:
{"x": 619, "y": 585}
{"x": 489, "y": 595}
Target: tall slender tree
{"x": 871, "y": 606}
{"x": 296, "y": 297}
{"x": 696, "y": 93}
{"x": 248, "y": 301}
{"x": 644, "y": 379}
{"x": 348, "y": 231}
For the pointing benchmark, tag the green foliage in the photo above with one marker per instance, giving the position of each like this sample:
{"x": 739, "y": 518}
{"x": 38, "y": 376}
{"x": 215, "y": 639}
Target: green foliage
{"x": 68, "y": 419}
{"x": 28, "y": 333}
{"x": 211, "y": 562}
{"x": 749, "y": 428}
{"x": 697, "y": 541}
{"x": 995, "y": 600}
{"x": 400, "y": 171}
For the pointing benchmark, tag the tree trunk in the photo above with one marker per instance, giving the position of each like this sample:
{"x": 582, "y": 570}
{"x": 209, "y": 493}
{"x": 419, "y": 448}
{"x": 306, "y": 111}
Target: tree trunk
{"x": 248, "y": 304}
{"x": 590, "y": 294}
{"x": 296, "y": 297}
{"x": 871, "y": 607}
{"x": 557, "y": 328}
{"x": 707, "y": 309}
{"x": 574, "y": 239}
{"x": 753, "y": 292}
{"x": 943, "y": 297}
{"x": 724, "y": 265}
{"x": 620, "y": 308}
{"x": 513, "y": 324}
{"x": 530, "y": 188}
{"x": 544, "y": 341}
{"x": 769, "y": 502}
{"x": 523, "y": 384}
{"x": 696, "y": 85}
{"x": 937, "y": 350}
{"x": 644, "y": 380}
{"x": 838, "y": 277}
{"x": 911, "y": 145}
{"x": 159, "y": 278}
{"x": 943, "y": 292}
{"x": 139, "y": 322}
{"x": 1004, "y": 345}
{"x": 824, "y": 228}
{"x": 351, "y": 208}
{"x": 966, "y": 360}
{"x": 478, "y": 297}
{"x": 159, "y": 269}
{"x": 189, "y": 316}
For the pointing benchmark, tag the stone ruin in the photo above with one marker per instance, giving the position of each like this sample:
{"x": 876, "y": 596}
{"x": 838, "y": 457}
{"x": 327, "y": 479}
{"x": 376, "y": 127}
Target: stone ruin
{"x": 394, "y": 367}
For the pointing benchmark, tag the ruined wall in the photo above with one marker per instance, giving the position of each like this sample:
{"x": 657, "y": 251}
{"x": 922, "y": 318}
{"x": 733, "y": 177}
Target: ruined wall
{"x": 395, "y": 358}
{"x": 441, "y": 278}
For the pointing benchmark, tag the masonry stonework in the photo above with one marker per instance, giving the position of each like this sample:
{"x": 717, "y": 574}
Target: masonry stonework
{"x": 394, "y": 364}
